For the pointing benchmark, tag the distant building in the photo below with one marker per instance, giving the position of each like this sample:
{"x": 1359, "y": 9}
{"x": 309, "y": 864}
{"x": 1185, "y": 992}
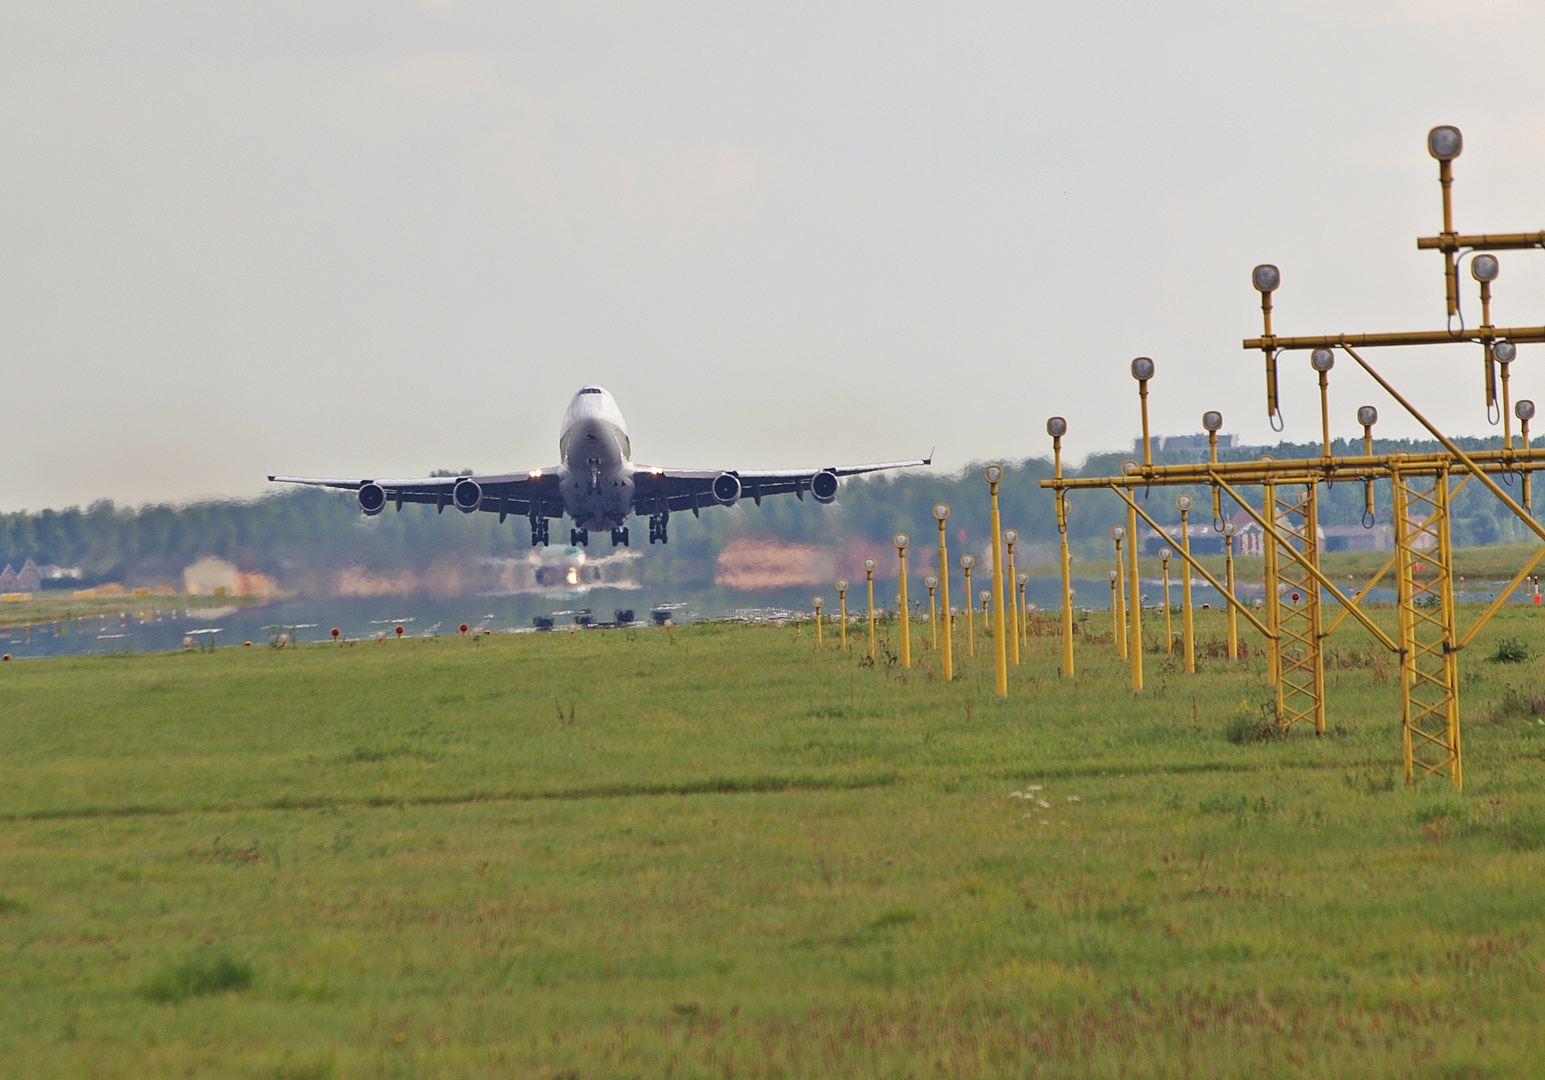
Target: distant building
{"x": 1380, "y": 537}
{"x": 30, "y": 578}
{"x": 9, "y": 581}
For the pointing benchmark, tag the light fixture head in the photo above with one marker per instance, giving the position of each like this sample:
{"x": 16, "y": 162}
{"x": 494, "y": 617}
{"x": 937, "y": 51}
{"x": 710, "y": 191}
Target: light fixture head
{"x": 1118, "y": 533}
{"x": 931, "y": 581}
{"x": 1524, "y": 410}
{"x": 1183, "y": 502}
{"x": 993, "y": 473}
{"x": 984, "y": 596}
{"x": 967, "y": 562}
{"x": 1322, "y": 360}
{"x": 941, "y": 511}
{"x": 869, "y": 565}
{"x": 1056, "y": 427}
{"x": 901, "y": 540}
{"x": 1228, "y": 528}
{"x": 819, "y": 602}
{"x": 1504, "y": 351}
{"x": 1212, "y": 420}
{"x": 1112, "y": 575}
{"x": 1367, "y": 416}
{"x": 842, "y": 584}
{"x": 1445, "y": 142}
{"x": 1266, "y": 278}
{"x": 1142, "y": 369}
{"x": 1022, "y": 577}
{"x": 1485, "y": 267}
{"x": 1011, "y": 536}
{"x": 1166, "y": 554}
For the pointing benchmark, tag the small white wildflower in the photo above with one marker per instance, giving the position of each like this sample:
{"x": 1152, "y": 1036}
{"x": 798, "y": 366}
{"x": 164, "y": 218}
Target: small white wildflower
{"x": 1016, "y": 795}
{"x": 1074, "y": 798}
{"x": 1033, "y": 787}
{"x": 1043, "y": 804}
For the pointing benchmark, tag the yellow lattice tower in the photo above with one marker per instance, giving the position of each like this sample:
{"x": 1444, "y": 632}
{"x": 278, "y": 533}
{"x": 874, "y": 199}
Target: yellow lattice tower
{"x": 1301, "y": 666}
{"x": 1429, "y": 683}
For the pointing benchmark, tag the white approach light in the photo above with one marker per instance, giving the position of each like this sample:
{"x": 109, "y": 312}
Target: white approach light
{"x": 1166, "y": 554}
{"x": 1118, "y": 533}
{"x": 967, "y": 562}
{"x": 1524, "y": 410}
{"x": 1266, "y": 278}
{"x": 1183, "y": 502}
{"x": 1505, "y": 351}
{"x": 1112, "y": 575}
{"x": 1367, "y": 416}
{"x": 1010, "y": 537}
{"x": 842, "y": 585}
{"x": 931, "y": 581}
{"x": 1142, "y": 369}
{"x": 1322, "y": 360}
{"x": 869, "y": 565}
{"x": 1485, "y": 268}
{"x": 1056, "y": 427}
{"x": 1228, "y": 528}
{"x": 941, "y": 511}
{"x": 1445, "y": 142}
{"x": 901, "y": 540}
{"x": 1212, "y": 420}
{"x": 993, "y": 473}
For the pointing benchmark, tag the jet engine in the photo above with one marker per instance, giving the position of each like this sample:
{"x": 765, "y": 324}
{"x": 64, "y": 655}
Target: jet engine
{"x": 823, "y": 485}
{"x": 372, "y": 499}
{"x": 467, "y": 495}
{"x": 726, "y": 488}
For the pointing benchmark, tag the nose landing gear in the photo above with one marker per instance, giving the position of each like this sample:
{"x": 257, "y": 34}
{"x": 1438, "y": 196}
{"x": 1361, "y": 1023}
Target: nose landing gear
{"x": 620, "y": 537}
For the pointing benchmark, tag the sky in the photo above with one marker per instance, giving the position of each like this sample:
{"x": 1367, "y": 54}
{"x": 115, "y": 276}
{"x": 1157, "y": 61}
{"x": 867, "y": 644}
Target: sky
{"x": 328, "y": 237}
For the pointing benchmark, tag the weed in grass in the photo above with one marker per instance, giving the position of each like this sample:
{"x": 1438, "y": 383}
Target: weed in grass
{"x": 10, "y": 905}
{"x": 1516, "y": 704}
{"x": 1512, "y": 650}
{"x": 197, "y": 976}
{"x": 1251, "y": 724}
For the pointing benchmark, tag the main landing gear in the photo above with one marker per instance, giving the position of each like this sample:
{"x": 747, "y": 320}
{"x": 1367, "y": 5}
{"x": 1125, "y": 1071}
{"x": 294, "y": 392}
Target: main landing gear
{"x": 538, "y": 531}
{"x": 620, "y": 537}
{"x": 579, "y": 537}
{"x": 658, "y": 533}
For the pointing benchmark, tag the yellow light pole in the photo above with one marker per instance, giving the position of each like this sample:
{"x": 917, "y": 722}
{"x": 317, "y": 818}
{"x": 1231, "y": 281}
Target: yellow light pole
{"x": 941, "y": 513}
{"x": 994, "y": 476}
{"x": 1115, "y": 613}
{"x": 842, "y": 608}
{"x": 966, "y": 563}
{"x": 986, "y": 598}
{"x": 1368, "y": 416}
{"x": 1165, "y": 554}
{"x": 933, "y": 612}
{"x": 1022, "y": 579}
{"x": 1057, "y": 427}
{"x": 1010, "y": 538}
{"x": 1233, "y": 616}
{"x": 1119, "y": 597}
{"x": 817, "y": 603}
{"x": 901, "y": 540}
{"x": 1188, "y": 628}
{"x": 1524, "y": 410}
{"x": 869, "y": 565}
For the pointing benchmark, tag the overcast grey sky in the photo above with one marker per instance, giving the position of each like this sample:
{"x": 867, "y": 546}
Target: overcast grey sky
{"x": 346, "y": 238}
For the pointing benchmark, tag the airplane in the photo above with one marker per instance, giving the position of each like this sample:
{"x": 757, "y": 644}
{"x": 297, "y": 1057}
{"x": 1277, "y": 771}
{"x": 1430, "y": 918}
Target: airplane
{"x": 597, "y": 484}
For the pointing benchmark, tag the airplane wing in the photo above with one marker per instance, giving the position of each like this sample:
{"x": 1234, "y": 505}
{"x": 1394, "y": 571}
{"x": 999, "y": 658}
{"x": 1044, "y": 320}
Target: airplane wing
{"x": 526, "y": 494}
{"x": 691, "y": 489}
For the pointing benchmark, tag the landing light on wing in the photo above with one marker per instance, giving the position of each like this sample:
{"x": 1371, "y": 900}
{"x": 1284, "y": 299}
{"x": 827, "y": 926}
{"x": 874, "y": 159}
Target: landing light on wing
{"x": 535, "y": 474}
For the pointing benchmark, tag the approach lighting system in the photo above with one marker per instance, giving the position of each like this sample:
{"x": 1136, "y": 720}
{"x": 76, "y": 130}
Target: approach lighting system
{"x": 1112, "y": 575}
{"x": 1485, "y": 268}
{"x": 1322, "y": 360}
{"x": 1056, "y": 427}
{"x": 1445, "y": 142}
{"x": 1118, "y": 534}
{"x": 967, "y": 562}
{"x": 901, "y": 540}
{"x": 842, "y": 586}
{"x": 1228, "y": 528}
{"x": 1024, "y": 579}
{"x": 869, "y": 565}
{"x": 993, "y": 474}
{"x": 931, "y": 581}
{"x": 1212, "y": 420}
{"x": 1367, "y": 416}
{"x": 1166, "y": 554}
{"x": 941, "y": 511}
{"x": 1142, "y": 369}
{"x": 1524, "y": 410}
{"x": 1183, "y": 503}
{"x": 1010, "y": 536}
{"x": 1505, "y": 351}
{"x": 1266, "y": 278}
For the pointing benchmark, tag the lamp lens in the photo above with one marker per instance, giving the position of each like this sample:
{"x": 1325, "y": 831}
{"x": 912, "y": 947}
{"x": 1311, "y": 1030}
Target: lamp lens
{"x": 1212, "y": 420}
{"x": 941, "y": 510}
{"x": 1118, "y": 533}
{"x": 993, "y": 473}
{"x": 1183, "y": 502}
{"x": 1367, "y": 416}
{"x": 1504, "y": 351}
{"x": 842, "y": 584}
{"x": 1228, "y": 528}
{"x": 869, "y": 565}
{"x": 1266, "y": 277}
{"x": 1010, "y": 536}
{"x": 1024, "y": 579}
{"x": 819, "y": 601}
{"x": 931, "y": 581}
{"x": 1056, "y": 427}
{"x": 1322, "y": 360}
{"x": 1485, "y": 268}
{"x": 1142, "y": 368}
{"x": 1165, "y": 554}
{"x": 1112, "y": 575}
{"x": 1524, "y": 410}
{"x": 1445, "y": 143}
{"x": 967, "y": 562}
{"x": 901, "y": 540}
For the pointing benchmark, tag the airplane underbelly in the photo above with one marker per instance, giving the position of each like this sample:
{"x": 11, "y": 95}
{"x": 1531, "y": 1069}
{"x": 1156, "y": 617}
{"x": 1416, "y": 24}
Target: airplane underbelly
{"x": 597, "y": 492}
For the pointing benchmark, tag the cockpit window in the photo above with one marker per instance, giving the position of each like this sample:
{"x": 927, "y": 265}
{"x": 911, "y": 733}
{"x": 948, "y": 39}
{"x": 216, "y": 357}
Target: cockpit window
{"x": 591, "y": 390}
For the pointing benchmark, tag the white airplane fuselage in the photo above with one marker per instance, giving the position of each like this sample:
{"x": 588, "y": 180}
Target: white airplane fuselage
{"x": 596, "y": 467}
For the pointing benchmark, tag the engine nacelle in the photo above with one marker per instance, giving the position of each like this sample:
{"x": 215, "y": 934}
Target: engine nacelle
{"x": 823, "y": 485}
{"x": 726, "y": 489}
{"x": 372, "y": 499}
{"x": 467, "y": 495}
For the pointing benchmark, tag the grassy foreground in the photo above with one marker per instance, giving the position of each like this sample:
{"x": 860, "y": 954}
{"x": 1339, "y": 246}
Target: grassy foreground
{"x": 712, "y": 852}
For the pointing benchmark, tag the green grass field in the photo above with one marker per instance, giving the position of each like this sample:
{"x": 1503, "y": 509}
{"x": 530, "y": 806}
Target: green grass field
{"x": 713, "y": 852}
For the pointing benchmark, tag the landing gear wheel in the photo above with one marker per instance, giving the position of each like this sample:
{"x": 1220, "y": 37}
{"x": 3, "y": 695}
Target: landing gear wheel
{"x": 538, "y": 531}
{"x": 620, "y": 537}
{"x": 579, "y": 537}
